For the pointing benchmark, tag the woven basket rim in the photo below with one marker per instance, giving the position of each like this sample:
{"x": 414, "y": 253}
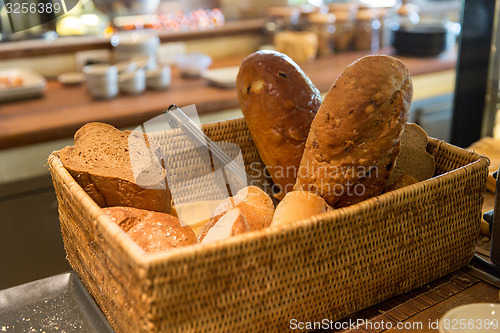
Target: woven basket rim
{"x": 113, "y": 233}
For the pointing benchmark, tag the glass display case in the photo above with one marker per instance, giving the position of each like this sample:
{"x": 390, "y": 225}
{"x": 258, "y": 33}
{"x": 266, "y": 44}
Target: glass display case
{"x": 477, "y": 98}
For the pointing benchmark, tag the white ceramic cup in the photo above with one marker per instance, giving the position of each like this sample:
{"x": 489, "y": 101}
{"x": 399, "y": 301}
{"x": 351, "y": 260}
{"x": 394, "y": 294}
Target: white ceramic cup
{"x": 133, "y": 83}
{"x": 159, "y": 78}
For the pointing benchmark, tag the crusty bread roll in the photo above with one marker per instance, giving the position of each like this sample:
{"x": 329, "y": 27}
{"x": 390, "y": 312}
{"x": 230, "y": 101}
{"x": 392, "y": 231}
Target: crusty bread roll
{"x": 255, "y": 205}
{"x": 230, "y": 224}
{"x": 355, "y": 137}
{"x": 153, "y": 231}
{"x": 279, "y": 103}
{"x": 413, "y": 158}
{"x": 100, "y": 162}
{"x": 298, "y": 205}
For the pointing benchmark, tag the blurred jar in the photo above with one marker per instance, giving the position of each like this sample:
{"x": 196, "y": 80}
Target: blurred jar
{"x": 344, "y": 30}
{"x": 367, "y": 31}
{"x": 282, "y": 18}
{"x": 306, "y": 11}
{"x": 348, "y": 8}
{"x": 323, "y": 25}
{"x": 402, "y": 14}
{"x": 301, "y": 46}
{"x": 383, "y": 15}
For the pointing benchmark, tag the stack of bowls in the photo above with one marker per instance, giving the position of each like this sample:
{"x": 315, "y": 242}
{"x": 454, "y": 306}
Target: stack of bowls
{"x": 102, "y": 80}
{"x": 136, "y": 44}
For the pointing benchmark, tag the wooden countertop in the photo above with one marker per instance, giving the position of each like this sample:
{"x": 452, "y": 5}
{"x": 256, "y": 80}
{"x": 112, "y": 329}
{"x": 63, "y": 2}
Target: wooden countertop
{"x": 420, "y": 310}
{"x": 62, "y": 110}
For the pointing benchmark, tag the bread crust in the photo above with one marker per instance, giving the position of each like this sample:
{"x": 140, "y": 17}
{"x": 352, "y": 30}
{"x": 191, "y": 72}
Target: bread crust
{"x": 279, "y": 103}
{"x": 355, "y": 137}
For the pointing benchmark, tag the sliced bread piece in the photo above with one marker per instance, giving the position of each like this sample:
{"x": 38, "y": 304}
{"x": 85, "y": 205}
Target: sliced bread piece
{"x": 413, "y": 158}
{"x": 117, "y": 168}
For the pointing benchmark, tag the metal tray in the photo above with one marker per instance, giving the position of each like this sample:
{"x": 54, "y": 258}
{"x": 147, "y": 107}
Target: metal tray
{"x": 55, "y": 304}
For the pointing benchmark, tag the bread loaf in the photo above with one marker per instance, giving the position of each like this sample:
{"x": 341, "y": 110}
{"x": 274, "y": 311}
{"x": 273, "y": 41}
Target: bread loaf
{"x": 153, "y": 231}
{"x": 355, "y": 136}
{"x": 298, "y": 205}
{"x": 100, "y": 161}
{"x": 255, "y": 205}
{"x": 279, "y": 103}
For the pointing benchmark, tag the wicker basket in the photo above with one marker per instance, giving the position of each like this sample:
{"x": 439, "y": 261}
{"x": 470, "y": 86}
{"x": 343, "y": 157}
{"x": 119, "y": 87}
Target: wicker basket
{"x": 328, "y": 266}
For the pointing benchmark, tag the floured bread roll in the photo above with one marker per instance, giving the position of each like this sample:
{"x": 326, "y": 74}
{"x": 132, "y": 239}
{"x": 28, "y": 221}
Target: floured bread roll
{"x": 355, "y": 136}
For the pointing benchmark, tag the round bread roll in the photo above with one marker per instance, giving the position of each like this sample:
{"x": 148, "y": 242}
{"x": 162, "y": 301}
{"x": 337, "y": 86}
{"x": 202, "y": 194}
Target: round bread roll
{"x": 298, "y": 205}
{"x": 355, "y": 137}
{"x": 152, "y": 231}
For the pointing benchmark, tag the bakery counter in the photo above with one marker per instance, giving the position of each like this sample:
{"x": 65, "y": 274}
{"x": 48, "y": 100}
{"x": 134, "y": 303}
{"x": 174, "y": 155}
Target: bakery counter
{"x": 62, "y": 110}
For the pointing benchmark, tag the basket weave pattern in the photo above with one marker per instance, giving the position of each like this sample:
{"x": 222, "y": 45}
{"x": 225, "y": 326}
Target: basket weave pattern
{"x": 328, "y": 266}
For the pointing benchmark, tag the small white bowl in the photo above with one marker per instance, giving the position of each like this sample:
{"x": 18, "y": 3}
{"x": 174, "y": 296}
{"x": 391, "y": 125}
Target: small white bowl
{"x": 133, "y": 83}
{"x": 193, "y": 64}
{"x": 159, "y": 78}
{"x": 69, "y": 79}
{"x": 471, "y": 318}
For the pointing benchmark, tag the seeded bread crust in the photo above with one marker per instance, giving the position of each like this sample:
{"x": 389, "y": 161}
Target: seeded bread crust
{"x": 355, "y": 137}
{"x": 100, "y": 162}
{"x": 279, "y": 103}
